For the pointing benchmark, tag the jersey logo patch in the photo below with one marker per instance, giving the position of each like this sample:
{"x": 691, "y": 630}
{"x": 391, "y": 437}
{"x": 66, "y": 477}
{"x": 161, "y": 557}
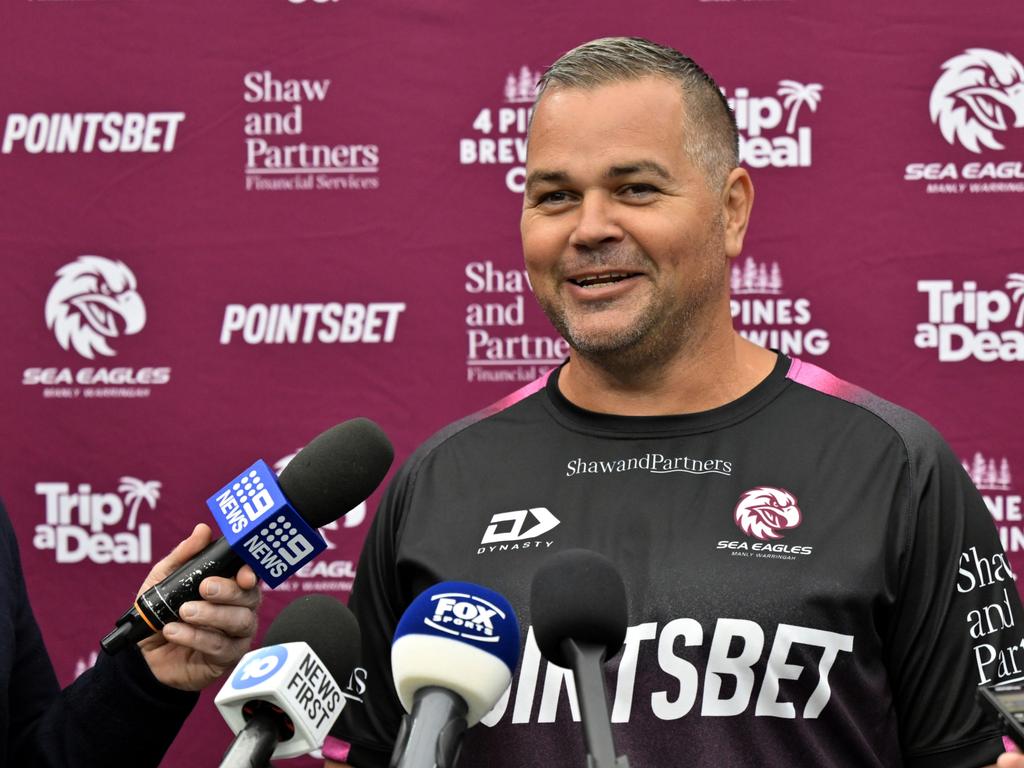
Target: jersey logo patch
{"x": 763, "y": 511}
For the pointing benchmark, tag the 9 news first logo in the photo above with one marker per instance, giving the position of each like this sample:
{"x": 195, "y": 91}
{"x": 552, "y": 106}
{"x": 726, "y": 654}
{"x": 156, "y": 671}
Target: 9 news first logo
{"x": 262, "y": 526}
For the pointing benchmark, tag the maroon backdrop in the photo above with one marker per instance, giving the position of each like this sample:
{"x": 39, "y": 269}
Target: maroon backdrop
{"x": 228, "y": 226}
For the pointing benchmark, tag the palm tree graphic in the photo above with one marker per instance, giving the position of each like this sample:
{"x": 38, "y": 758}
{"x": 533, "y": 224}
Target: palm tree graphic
{"x": 795, "y": 95}
{"x": 1015, "y": 283}
{"x": 137, "y": 491}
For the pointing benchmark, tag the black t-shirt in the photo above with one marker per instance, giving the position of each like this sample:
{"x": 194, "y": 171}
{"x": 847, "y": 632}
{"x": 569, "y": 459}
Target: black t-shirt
{"x": 812, "y": 578}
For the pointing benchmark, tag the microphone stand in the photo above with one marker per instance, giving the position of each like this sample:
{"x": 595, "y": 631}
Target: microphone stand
{"x": 586, "y": 660}
{"x": 254, "y": 744}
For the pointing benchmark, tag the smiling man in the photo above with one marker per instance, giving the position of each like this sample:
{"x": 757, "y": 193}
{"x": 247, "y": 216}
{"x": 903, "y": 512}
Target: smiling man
{"x": 812, "y": 578}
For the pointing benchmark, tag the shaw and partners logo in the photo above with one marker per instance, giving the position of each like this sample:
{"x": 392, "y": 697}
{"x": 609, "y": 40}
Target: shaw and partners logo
{"x": 100, "y": 527}
{"x": 93, "y": 304}
{"x": 655, "y": 463}
{"x": 965, "y": 323}
{"x": 466, "y": 616}
{"x": 761, "y": 513}
{"x": 975, "y": 102}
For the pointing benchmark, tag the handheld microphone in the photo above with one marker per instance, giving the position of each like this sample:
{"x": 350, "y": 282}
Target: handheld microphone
{"x": 578, "y": 609}
{"x": 282, "y": 699}
{"x": 269, "y": 522}
{"x": 452, "y": 658}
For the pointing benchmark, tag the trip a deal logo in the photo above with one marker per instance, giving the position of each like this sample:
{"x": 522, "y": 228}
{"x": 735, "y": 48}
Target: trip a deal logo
{"x": 977, "y": 106}
{"x": 764, "y": 514}
{"x": 92, "y": 306}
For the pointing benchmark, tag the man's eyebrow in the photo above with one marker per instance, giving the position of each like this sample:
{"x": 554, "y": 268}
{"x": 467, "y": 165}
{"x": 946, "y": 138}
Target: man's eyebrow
{"x": 629, "y": 169}
{"x": 549, "y": 177}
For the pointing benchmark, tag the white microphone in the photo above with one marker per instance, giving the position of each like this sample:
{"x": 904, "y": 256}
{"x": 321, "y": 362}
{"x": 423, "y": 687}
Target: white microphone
{"x": 282, "y": 699}
{"x": 452, "y": 658}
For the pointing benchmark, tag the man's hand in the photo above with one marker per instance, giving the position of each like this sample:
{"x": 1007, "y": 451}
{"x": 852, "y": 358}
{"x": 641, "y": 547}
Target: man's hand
{"x": 1010, "y": 760}
{"x": 214, "y": 632}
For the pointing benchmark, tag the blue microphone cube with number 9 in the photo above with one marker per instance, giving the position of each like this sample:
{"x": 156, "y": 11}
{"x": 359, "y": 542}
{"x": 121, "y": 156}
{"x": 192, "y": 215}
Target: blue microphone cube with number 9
{"x": 459, "y": 636}
{"x": 262, "y": 526}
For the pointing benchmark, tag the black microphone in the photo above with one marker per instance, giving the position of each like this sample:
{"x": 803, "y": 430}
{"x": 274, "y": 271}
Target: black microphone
{"x": 578, "y": 609}
{"x": 281, "y": 700}
{"x": 336, "y": 471}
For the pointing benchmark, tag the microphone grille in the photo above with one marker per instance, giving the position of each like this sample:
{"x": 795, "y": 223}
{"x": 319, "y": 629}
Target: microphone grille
{"x": 338, "y": 469}
{"x": 578, "y": 594}
{"x": 327, "y": 626}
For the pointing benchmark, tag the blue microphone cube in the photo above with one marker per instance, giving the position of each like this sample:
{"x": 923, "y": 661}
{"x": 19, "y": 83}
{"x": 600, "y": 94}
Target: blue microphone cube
{"x": 262, "y": 526}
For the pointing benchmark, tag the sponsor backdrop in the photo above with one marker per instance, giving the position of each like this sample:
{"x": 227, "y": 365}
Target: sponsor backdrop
{"x": 228, "y": 227}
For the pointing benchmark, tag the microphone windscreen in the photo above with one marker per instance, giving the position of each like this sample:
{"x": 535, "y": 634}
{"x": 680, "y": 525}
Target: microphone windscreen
{"x": 337, "y": 470}
{"x": 578, "y": 595}
{"x": 458, "y": 636}
{"x": 326, "y": 625}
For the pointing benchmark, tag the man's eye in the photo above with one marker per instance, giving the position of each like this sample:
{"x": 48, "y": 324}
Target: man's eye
{"x": 553, "y": 198}
{"x": 638, "y": 190}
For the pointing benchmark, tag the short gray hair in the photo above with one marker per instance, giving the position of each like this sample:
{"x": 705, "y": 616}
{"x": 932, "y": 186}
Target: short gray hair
{"x": 712, "y": 140}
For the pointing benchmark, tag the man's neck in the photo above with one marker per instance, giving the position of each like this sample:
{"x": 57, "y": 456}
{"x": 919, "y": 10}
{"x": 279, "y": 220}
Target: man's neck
{"x": 721, "y": 372}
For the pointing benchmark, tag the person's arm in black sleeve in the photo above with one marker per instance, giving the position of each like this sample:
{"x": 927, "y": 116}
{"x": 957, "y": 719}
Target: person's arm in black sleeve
{"x": 959, "y": 619}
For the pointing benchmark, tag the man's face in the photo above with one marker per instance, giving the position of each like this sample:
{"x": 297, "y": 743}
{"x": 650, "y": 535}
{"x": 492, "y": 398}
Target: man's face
{"x": 623, "y": 239}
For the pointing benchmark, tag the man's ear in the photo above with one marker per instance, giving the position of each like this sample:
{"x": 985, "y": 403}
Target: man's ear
{"x": 737, "y": 200}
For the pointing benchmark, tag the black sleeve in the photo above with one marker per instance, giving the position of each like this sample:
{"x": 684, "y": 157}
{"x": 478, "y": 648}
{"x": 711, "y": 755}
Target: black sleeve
{"x": 377, "y": 600}
{"x": 115, "y": 712}
{"x": 958, "y": 621}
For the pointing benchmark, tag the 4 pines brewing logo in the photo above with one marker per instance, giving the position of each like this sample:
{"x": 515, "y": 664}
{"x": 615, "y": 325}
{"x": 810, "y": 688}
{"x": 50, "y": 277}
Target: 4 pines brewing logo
{"x": 976, "y": 104}
{"x": 972, "y": 322}
{"x": 276, "y": 157}
{"x": 93, "y": 304}
{"x": 771, "y": 133}
{"x": 96, "y": 526}
{"x": 993, "y": 477}
{"x": 765, "y": 316}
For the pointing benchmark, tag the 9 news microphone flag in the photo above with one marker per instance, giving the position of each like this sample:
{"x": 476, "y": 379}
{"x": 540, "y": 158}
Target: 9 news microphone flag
{"x": 452, "y": 658}
{"x": 269, "y": 523}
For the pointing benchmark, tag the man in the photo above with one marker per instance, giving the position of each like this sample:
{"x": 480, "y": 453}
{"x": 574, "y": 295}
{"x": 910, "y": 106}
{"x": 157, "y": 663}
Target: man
{"x": 128, "y": 708}
{"x": 812, "y": 579}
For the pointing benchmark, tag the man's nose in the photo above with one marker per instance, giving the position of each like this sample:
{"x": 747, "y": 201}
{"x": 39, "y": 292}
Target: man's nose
{"x": 596, "y": 222}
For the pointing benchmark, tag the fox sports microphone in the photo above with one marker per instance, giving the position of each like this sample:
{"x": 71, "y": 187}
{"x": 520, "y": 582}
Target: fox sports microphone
{"x": 578, "y": 609}
{"x": 268, "y": 522}
{"x": 452, "y": 658}
{"x": 282, "y": 699}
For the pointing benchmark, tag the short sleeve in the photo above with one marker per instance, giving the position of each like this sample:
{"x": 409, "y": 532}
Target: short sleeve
{"x": 958, "y": 621}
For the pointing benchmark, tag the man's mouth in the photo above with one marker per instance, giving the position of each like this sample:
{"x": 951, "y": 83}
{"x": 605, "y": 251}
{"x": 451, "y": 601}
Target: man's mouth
{"x": 592, "y": 281}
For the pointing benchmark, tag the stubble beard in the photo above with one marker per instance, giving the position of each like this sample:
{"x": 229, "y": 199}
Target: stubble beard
{"x": 662, "y": 329}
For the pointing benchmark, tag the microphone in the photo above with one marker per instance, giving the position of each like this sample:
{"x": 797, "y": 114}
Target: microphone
{"x": 578, "y": 609}
{"x": 282, "y": 699}
{"x": 268, "y": 522}
{"x": 452, "y": 658}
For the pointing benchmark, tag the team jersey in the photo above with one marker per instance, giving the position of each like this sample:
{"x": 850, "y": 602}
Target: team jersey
{"x": 812, "y": 579}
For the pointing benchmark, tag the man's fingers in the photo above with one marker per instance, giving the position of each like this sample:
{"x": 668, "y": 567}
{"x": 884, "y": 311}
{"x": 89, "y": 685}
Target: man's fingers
{"x": 232, "y": 620}
{"x": 178, "y": 556}
{"x": 218, "y": 649}
{"x": 223, "y": 591}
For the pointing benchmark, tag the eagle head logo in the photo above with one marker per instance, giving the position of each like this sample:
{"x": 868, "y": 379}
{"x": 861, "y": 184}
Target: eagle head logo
{"x": 979, "y": 93}
{"x": 763, "y": 511}
{"x": 94, "y": 300}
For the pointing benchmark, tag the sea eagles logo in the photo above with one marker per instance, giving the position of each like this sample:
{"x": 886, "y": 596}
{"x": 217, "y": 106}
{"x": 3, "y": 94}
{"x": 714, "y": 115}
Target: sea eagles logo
{"x": 763, "y": 511}
{"x": 94, "y": 300}
{"x": 979, "y": 92}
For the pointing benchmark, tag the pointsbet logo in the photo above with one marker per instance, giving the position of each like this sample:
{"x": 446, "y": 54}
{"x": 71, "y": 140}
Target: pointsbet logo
{"x": 106, "y": 132}
{"x": 465, "y": 615}
{"x": 101, "y": 527}
{"x": 969, "y": 322}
